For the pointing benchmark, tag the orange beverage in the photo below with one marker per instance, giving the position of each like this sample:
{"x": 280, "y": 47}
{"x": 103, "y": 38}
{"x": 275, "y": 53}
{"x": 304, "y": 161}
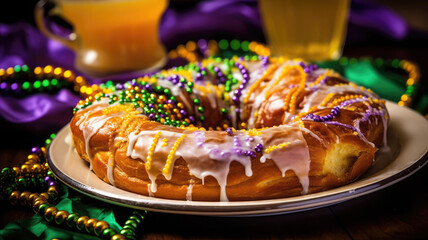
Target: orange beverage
{"x": 309, "y": 29}
{"x": 112, "y": 36}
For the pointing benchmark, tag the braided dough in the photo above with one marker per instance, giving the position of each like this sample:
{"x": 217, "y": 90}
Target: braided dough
{"x": 282, "y": 128}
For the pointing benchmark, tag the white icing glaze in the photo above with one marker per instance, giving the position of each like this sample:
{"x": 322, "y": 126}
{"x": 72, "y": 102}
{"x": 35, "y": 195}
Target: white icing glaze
{"x": 212, "y": 98}
{"x": 294, "y": 156}
{"x": 190, "y": 190}
{"x": 110, "y": 173}
{"x": 89, "y": 127}
{"x": 210, "y": 157}
{"x": 316, "y": 136}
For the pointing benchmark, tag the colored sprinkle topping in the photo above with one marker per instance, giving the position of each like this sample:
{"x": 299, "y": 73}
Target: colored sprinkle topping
{"x": 152, "y": 149}
{"x": 168, "y": 163}
{"x": 271, "y": 148}
{"x": 334, "y": 112}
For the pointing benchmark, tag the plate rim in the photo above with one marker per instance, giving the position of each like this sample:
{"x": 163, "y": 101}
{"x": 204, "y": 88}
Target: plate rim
{"x": 236, "y": 208}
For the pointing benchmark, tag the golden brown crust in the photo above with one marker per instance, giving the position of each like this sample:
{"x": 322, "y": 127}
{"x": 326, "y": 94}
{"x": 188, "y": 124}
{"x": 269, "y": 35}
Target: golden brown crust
{"x": 337, "y": 156}
{"x": 265, "y": 183}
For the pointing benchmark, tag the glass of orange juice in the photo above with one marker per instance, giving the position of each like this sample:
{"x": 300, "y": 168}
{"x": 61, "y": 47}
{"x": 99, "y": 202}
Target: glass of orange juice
{"x": 109, "y": 36}
{"x": 314, "y": 30}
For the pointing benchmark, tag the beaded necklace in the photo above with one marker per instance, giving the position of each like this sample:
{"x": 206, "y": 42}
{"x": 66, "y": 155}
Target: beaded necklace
{"x": 249, "y": 49}
{"x": 34, "y": 185}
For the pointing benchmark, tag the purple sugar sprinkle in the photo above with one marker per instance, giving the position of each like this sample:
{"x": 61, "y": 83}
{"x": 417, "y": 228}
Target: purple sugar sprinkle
{"x": 225, "y": 154}
{"x": 308, "y": 68}
{"x": 199, "y": 77}
{"x": 351, "y": 101}
{"x": 237, "y": 92}
{"x": 258, "y": 147}
{"x": 148, "y": 87}
{"x": 229, "y": 131}
{"x": 199, "y": 137}
{"x": 140, "y": 86}
{"x": 239, "y": 152}
{"x": 183, "y": 112}
{"x": 324, "y": 80}
{"x": 215, "y": 151}
{"x": 253, "y": 154}
{"x": 246, "y": 78}
{"x": 333, "y": 113}
{"x": 192, "y": 119}
{"x": 152, "y": 116}
{"x": 314, "y": 67}
{"x": 341, "y": 125}
{"x": 371, "y": 113}
{"x": 236, "y": 142}
{"x": 235, "y": 99}
{"x": 265, "y": 61}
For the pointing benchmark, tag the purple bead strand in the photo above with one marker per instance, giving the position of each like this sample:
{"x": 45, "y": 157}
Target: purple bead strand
{"x": 334, "y": 112}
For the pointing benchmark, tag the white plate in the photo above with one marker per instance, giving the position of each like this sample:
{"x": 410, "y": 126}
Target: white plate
{"x": 407, "y": 136}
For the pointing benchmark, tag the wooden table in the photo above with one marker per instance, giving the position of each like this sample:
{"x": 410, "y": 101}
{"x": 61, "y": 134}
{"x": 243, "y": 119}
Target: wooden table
{"x": 397, "y": 212}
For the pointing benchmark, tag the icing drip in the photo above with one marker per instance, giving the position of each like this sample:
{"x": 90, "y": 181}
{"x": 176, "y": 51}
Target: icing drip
{"x": 90, "y": 126}
{"x": 303, "y": 129}
{"x": 190, "y": 190}
{"x": 295, "y": 156}
{"x": 370, "y": 112}
{"x": 110, "y": 171}
{"x": 211, "y": 158}
{"x": 209, "y": 153}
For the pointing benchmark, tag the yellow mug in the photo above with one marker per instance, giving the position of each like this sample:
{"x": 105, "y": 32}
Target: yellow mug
{"x": 314, "y": 30}
{"x": 109, "y": 36}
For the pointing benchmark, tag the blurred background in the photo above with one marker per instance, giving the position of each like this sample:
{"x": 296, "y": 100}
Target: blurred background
{"x": 385, "y": 29}
{"x": 379, "y": 29}
{"x": 360, "y": 33}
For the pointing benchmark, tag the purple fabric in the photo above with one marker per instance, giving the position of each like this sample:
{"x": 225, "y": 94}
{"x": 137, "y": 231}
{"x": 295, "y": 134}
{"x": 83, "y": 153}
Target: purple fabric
{"x": 21, "y": 43}
{"x": 381, "y": 20}
{"x": 40, "y": 112}
{"x": 238, "y": 19}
